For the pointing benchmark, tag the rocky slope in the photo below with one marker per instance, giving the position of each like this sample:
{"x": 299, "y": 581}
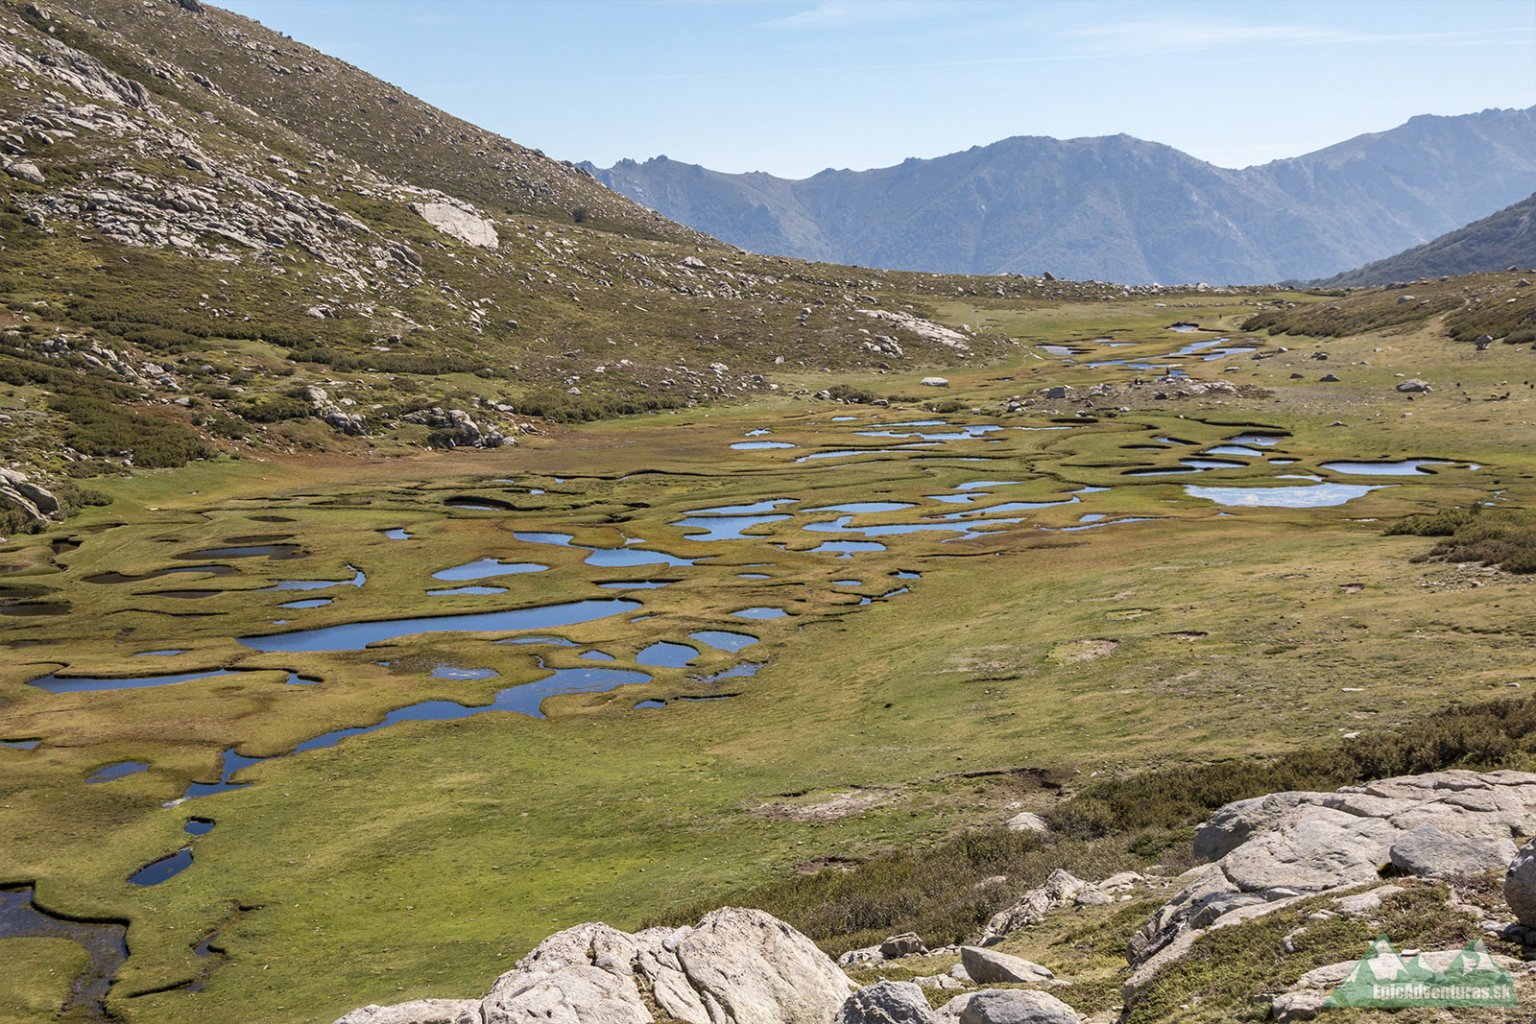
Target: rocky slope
{"x": 215, "y": 237}
{"x": 1116, "y": 208}
{"x": 1500, "y": 240}
{"x": 1435, "y": 835}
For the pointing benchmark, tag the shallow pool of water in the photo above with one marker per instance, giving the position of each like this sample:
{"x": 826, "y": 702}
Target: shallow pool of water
{"x": 845, "y": 548}
{"x": 1400, "y": 467}
{"x": 466, "y": 591}
{"x": 483, "y": 568}
{"x": 357, "y": 580}
{"x": 665, "y": 654}
{"x": 87, "y": 684}
{"x": 164, "y": 869}
{"x": 397, "y": 533}
{"x": 745, "y": 670}
{"x": 463, "y": 674}
{"x": 113, "y": 772}
{"x": 848, "y": 453}
{"x": 169, "y": 652}
{"x": 723, "y": 527}
{"x": 354, "y": 636}
{"x": 1235, "y": 449}
{"x": 273, "y": 551}
{"x": 761, "y": 612}
{"x": 105, "y": 943}
{"x": 723, "y": 640}
{"x": 755, "y": 446}
{"x": 609, "y": 558}
{"x": 309, "y": 602}
{"x": 27, "y": 744}
{"x": 1304, "y": 496}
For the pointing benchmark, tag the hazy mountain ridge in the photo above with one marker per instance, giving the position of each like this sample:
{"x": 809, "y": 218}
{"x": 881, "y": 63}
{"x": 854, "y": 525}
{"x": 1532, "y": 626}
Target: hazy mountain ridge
{"x": 1116, "y": 207}
{"x": 1505, "y": 238}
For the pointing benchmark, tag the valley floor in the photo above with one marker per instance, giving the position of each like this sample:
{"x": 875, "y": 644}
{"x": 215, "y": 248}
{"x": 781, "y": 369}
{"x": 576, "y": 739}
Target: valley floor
{"x": 877, "y": 626}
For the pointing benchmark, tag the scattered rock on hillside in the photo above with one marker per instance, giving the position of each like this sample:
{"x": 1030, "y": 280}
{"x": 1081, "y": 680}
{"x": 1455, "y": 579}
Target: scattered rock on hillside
{"x": 1413, "y": 385}
{"x": 934, "y": 382}
{"x": 905, "y": 944}
{"x": 889, "y": 1002}
{"x": 1027, "y": 821}
{"x": 1520, "y": 885}
{"x": 24, "y": 170}
{"x": 1061, "y": 887}
{"x": 35, "y": 502}
{"x": 987, "y": 966}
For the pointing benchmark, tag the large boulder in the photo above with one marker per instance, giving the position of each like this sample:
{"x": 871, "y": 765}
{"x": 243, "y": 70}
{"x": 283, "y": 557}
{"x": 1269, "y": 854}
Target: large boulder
{"x": 1007, "y": 1006}
{"x": 1520, "y": 885}
{"x": 35, "y": 502}
{"x": 759, "y": 970}
{"x": 905, "y": 944}
{"x": 459, "y": 220}
{"x": 734, "y": 967}
{"x": 889, "y": 1002}
{"x": 989, "y": 967}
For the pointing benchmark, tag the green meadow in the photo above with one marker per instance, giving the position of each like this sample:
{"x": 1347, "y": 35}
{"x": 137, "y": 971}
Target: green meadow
{"x": 1025, "y": 662}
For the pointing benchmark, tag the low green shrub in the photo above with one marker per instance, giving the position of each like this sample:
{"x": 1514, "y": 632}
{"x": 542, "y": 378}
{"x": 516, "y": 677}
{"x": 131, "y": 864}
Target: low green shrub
{"x": 1503, "y": 537}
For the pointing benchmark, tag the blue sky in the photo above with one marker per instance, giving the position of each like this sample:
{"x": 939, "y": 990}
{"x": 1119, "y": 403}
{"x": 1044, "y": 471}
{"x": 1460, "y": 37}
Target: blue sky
{"x": 794, "y": 86}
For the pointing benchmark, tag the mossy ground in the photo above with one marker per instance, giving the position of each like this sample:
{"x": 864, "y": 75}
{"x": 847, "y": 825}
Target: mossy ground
{"x": 423, "y": 859}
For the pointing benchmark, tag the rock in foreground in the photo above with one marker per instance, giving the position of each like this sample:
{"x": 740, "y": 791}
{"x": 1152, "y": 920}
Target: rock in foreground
{"x": 734, "y": 967}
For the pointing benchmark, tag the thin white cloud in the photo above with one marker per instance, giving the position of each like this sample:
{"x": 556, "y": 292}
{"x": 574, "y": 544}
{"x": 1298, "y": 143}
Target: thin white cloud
{"x": 1146, "y": 37}
{"x": 824, "y": 13}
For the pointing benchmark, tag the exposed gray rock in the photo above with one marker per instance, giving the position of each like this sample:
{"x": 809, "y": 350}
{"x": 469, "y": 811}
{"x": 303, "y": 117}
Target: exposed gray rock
{"x": 935, "y": 382}
{"x": 1026, "y": 821}
{"x": 1520, "y": 885}
{"x": 1284, "y": 847}
{"x": 35, "y": 502}
{"x": 419, "y": 1011}
{"x": 889, "y": 1002}
{"x": 905, "y": 944}
{"x": 760, "y": 970}
{"x": 1060, "y": 887}
{"x": 734, "y": 967}
{"x": 1413, "y": 385}
{"x": 25, "y": 171}
{"x": 1007, "y": 1006}
{"x": 861, "y": 957}
{"x": 458, "y": 220}
{"x": 1426, "y": 850}
{"x": 988, "y": 966}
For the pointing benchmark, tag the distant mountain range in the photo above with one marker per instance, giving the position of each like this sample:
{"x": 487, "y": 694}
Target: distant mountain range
{"x": 1507, "y": 238}
{"x": 1116, "y": 208}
